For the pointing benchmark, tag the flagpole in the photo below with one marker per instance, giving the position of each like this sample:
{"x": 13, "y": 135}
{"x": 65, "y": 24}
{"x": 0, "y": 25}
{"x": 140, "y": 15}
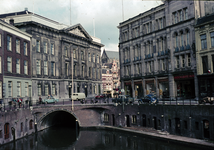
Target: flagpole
{"x": 72, "y": 80}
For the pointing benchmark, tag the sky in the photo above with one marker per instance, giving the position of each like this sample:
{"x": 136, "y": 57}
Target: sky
{"x": 98, "y": 17}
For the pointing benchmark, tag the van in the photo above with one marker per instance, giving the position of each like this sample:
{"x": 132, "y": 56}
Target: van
{"x": 78, "y": 96}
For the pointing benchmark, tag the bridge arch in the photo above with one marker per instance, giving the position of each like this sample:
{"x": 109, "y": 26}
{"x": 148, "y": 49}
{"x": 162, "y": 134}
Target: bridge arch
{"x": 58, "y": 118}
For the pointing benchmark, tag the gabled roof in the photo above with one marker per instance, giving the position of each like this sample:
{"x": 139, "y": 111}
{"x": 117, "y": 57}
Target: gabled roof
{"x": 78, "y": 30}
{"x": 104, "y": 55}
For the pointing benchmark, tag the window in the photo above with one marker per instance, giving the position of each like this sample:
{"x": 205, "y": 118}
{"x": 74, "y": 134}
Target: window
{"x": 183, "y": 61}
{"x": 82, "y": 55}
{"x": 18, "y": 89}
{"x": 204, "y": 64}
{"x": 53, "y": 68}
{"x": 182, "y": 39}
{"x": 18, "y": 66}
{"x": 176, "y": 40}
{"x": 89, "y": 56}
{"x": 52, "y": 48}
{"x": 186, "y": 13}
{"x": 97, "y": 58}
{"x": 25, "y": 67}
{"x": 89, "y": 72}
{"x": 187, "y": 36}
{"x": 163, "y": 65}
{"x": 150, "y": 67}
{"x": 9, "y": 43}
{"x": 17, "y": 46}
{"x": 9, "y": 64}
{"x": 181, "y": 15}
{"x": 161, "y": 23}
{"x": 53, "y": 89}
{"x": 26, "y": 89}
{"x": 93, "y": 57}
{"x": 189, "y": 60}
{"x": 66, "y": 51}
{"x": 46, "y": 90}
{"x": 37, "y": 46}
{"x": 38, "y": 67}
{"x": 6, "y": 131}
{"x": 94, "y": 73}
{"x": 39, "y": 88}
{"x": 25, "y": 48}
{"x": 212, "y": 39}
{"x": 31, "y": 124}
{"x": 177, "y": 62}
{"x": 106, "y": 117}
{"x": 0, "y": 65}
{"x": 45, "y": 67}
{"x": 0, "y": 40}
{"x": 134, "y": 119}
{"x": 9, "y": 88}
{"x": 45, "y": 47}
{"x": 175, "y": 17}
{"x": 0, "y": 90}
{"x": 203, "y": 41}
{"x": 74, "y": 53}
{"x": 66, "y": 69}
{"x": 83, "y": 71}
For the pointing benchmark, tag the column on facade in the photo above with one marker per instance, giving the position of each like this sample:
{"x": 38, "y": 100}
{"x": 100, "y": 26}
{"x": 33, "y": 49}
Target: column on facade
{"x": 172, "y": 85}
{"x": 142, "y": 49}
{"x": 133, "y": 88}
{"x": 131, "y": 61}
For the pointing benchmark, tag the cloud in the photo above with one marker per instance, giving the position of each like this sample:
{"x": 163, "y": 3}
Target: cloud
{"x": 106, "y": 13}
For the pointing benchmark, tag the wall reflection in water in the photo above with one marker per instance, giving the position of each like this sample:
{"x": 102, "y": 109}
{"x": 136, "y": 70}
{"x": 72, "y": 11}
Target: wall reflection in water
{"x": 58, "y": 138}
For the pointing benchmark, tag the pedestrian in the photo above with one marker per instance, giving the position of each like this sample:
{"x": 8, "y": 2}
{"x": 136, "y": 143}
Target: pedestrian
{"x": 40, "y": 100}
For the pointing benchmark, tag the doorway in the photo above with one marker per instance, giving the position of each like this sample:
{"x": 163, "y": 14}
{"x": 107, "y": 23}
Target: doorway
{"x": 177, "y": 126}
{"x": 127, "y": 121}
{"x": 144, "y": 120}
{"x": 206, "y": 129}
{"x": 113, "y": 120}
{"x": 155, "y": 122}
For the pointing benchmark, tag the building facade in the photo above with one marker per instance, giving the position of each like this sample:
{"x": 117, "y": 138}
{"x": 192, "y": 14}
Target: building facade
{"x": 204, "y": 37}
{"x": 53, "y": 45}
{"x": 15, "y": 63}
{"x": 157, "y": 50}
{"x": 110, "y": 72}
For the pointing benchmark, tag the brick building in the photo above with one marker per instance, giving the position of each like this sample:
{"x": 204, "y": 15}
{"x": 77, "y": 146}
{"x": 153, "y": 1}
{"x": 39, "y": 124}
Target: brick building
{"x": 52, "y": 46}
{"x": 15, "y": 63}
{"x": 157, "y": 53}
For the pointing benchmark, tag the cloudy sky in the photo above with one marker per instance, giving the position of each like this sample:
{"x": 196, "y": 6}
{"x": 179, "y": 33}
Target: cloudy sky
{"x": 104, "y": 14}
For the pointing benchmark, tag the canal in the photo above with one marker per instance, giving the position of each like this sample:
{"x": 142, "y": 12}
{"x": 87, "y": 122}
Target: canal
{"x": 66, "y": 138}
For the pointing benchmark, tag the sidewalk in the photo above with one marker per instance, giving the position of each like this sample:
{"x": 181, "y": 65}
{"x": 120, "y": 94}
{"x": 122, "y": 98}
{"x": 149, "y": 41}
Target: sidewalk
{"x": 163, "y": 135}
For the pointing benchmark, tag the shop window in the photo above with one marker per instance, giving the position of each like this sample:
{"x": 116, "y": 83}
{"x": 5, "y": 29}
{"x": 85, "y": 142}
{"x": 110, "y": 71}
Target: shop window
{"x": 185, "y": 124}
{"x": 134, "y": 119}
{"x": 205, "y": 64}
{"x": 106, "y": 117}
{"x": 196, "y": 126}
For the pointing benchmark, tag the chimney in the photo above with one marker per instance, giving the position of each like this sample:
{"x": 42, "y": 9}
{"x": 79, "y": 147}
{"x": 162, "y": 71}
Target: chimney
{"x": 12, "y": 22}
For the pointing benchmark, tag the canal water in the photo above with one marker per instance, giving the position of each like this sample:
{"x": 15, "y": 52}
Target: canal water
{"x": 64, "y": 138}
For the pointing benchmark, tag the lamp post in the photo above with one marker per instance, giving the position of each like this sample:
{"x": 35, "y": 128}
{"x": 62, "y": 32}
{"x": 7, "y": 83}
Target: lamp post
{"x": 72, "y": 80}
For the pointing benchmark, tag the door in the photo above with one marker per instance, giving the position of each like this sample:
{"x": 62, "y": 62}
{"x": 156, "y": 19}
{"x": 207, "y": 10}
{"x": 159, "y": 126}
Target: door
{"x": 144, "y": 120}
{"x": 206, "y": 129}
{"x": 127, "y": 121}
{"x": 155, "y": 122}
{"x": 177, "y": 126}
{"x": 113, "y": 120}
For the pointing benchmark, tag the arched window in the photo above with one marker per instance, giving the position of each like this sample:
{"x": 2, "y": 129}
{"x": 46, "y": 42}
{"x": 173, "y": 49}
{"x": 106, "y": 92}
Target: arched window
{"x": 176, "y": 40}
{"x": 106, "y": 117}
{"x": 31, "y": 124}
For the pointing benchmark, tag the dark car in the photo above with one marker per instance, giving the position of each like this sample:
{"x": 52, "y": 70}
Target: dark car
{"x": 123, "y": 98}
{"x": 100, "y": 96}
{"x": 151, "y": 99}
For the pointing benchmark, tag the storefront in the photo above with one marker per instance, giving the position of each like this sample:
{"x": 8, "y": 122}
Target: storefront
{"x": 206, "y": 85}
{"x": 150, "y": 86}
{"x": 128, "y": 88}
{"x": 138, "y": 89}
{"x": 163, "y": 85}
{"x": 185, "y": 86}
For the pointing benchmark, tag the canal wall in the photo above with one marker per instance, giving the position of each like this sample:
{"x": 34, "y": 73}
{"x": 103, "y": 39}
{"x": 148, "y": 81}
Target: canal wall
{"x": 196, "y": 121}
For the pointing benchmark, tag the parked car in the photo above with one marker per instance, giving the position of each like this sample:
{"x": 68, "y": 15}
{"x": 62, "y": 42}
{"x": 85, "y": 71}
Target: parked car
{"x": 150, "y": 98}
{"x": 50, "y": 99}
{"x": 123, "y": 98}
{"x": 100, "y": 96}
{"x": 206, "y": 100}
{"x": 78, "y": 96}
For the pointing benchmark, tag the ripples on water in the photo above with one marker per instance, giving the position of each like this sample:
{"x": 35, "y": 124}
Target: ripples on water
{"x": 58, "y": 138}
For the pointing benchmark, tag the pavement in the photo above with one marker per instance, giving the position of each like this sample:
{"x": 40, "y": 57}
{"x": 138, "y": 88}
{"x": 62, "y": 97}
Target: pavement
{"x": 163, "y": 135}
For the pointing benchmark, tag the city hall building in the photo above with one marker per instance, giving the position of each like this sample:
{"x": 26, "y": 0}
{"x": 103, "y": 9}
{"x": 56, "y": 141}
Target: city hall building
{"x": 52, "y": 47}
{"x": 157, "y": 50}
